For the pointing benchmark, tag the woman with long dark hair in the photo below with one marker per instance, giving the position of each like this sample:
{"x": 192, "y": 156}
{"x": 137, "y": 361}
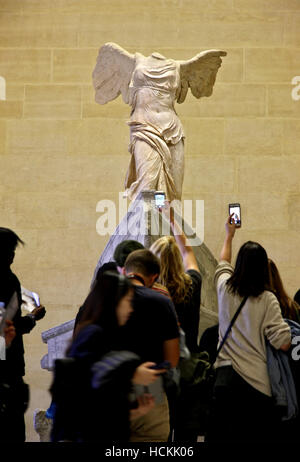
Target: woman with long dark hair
{"x": 243, "y": 408}
{"x": 83, "y": 413}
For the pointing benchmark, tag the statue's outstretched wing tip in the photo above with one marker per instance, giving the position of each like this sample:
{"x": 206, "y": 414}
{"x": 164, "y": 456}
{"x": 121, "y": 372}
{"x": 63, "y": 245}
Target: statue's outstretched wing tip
{"x": 215, "y": 53}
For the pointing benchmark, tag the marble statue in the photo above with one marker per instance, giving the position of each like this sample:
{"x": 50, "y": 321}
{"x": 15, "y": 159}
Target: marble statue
{"x": 151, "y": 85}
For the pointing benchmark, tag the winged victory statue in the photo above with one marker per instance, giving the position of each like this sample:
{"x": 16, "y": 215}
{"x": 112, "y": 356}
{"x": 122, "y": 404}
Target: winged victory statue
{"x": 151, "y": 85}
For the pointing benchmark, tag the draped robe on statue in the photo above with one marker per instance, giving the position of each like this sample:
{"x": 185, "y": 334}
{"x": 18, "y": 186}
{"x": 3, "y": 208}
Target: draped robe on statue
{"x": 156, "y": 133}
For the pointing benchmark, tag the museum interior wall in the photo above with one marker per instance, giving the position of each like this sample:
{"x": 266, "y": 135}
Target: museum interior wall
{"x": 61, "y": 153}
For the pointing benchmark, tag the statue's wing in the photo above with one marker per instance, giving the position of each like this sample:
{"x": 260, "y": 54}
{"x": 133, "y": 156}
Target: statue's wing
{"x": 199, "y": 73}
{"x": 112, "y": 73}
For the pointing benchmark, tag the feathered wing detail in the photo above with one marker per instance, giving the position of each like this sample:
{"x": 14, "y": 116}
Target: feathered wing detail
{"x": 112, "y": 73}
{"x": 199, "y": 74}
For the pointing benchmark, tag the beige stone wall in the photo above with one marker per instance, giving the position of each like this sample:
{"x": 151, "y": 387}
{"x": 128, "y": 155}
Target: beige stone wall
{"x": 60, "y": 153}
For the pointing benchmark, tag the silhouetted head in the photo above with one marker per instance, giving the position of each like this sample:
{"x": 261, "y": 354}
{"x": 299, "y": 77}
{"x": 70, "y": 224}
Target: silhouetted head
{"x": 109, "y": 266}
{"x": 124, "y": 249}
{"x": 251, "y": 273}
{"x": 9, "y": 241}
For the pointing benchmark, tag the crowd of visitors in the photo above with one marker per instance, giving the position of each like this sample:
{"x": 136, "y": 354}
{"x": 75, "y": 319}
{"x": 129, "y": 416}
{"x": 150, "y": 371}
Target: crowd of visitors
{"x": 137, "y": 334}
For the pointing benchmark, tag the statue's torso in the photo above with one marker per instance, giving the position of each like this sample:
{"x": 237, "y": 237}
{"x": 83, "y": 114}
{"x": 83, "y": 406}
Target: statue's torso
{"x": 152, "y": 92}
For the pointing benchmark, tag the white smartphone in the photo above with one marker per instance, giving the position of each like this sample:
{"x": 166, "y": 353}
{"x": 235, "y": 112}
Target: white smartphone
{"x": 160, "y": 198}
{"x": 235, "y": 209}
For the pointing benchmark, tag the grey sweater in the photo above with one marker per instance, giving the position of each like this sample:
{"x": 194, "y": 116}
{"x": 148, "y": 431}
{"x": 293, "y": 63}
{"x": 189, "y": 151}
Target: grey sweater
{"x": 245, "y": 347}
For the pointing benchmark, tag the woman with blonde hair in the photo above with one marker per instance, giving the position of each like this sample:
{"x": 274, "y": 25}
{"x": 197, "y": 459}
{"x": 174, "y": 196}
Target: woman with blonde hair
{"x": 289, "y": 307}
{"x": 181, "y": 276}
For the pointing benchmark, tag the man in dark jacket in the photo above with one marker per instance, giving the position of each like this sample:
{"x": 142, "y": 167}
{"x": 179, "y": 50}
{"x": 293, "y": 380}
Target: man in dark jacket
{"x": 14, "y": 391}
{"x": 152, "y": 333}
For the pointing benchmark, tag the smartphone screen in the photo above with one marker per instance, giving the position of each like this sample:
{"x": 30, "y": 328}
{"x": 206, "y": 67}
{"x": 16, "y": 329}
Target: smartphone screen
{"x": 235, "y": 209}
{"x": 160, "y": 199}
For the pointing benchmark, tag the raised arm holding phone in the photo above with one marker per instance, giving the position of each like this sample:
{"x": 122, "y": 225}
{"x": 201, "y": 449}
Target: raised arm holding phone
{"x": 181, "y": 275}
{"x": 226, "y": 252}
{"x": 242, "y": 390}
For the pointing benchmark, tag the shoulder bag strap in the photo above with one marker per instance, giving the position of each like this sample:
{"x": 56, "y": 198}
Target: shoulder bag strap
{"x": 230, "y": 326}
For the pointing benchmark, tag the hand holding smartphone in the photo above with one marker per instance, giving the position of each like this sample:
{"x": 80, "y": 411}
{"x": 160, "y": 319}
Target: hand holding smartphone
{"x": 162, "y": 365}
{"x": 30, "y": 300}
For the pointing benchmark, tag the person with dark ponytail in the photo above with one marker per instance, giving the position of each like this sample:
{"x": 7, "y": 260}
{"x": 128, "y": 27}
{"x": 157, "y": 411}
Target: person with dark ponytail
{"x": 87, "y": 414}
{"x": 243, "y": 409}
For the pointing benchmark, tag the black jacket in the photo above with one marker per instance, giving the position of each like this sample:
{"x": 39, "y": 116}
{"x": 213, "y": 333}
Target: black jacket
{"x": 90, "y": 390}
{"x": 13, "y": 368}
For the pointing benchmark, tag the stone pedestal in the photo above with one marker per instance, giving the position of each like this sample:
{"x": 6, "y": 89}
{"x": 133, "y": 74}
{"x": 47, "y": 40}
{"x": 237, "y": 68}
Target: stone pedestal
{"x": 57, "y": 340}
